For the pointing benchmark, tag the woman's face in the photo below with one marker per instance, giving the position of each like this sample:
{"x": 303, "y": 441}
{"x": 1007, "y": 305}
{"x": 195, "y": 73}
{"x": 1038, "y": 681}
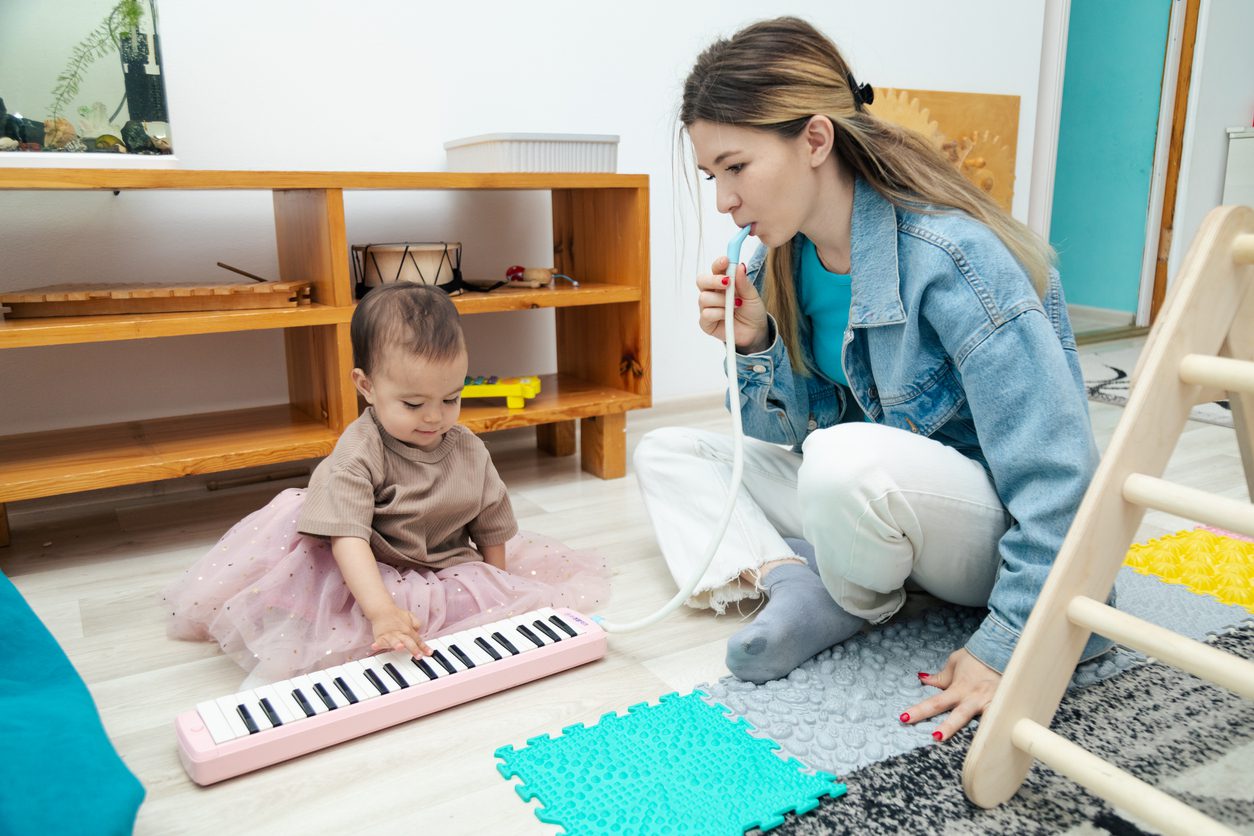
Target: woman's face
{"x": 761, "y": 179}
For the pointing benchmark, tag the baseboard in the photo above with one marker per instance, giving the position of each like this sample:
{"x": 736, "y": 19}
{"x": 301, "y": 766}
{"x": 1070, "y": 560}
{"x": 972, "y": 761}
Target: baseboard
{"x": 1126, "y": 333}
{"x": 1100, "y": 317}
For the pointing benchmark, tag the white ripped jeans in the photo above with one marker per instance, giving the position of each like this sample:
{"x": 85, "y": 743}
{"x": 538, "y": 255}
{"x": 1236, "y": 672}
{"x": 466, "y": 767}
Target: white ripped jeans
{"x": 881, "y": 506}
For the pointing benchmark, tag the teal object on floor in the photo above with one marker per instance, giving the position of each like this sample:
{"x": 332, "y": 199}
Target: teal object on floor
{"x": 680, "y": 767}
{"x": 59, "y": 774}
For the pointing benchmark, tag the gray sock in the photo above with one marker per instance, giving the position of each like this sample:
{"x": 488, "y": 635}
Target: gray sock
{"x": 799, "y": 620}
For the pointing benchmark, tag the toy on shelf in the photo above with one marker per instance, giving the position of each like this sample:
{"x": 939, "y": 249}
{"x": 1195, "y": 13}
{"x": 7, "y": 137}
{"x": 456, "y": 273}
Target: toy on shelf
{"x": 99, "y": 298}
{"x": 519, "y": 276}
{"x": 515, "y": 390}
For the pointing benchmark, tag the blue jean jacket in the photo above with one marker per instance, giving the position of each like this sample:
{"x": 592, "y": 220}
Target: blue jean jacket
{"x": 948, "y": 338}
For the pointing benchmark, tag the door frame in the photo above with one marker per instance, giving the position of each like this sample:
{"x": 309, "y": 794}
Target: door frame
{"x": 1165, "y": 176}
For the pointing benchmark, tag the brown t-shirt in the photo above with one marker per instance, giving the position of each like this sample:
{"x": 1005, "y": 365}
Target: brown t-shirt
{"x": 414, "y": 507}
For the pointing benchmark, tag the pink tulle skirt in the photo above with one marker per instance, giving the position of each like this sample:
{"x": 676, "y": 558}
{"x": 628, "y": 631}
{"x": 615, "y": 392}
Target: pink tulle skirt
{"x": 275, "y": 601}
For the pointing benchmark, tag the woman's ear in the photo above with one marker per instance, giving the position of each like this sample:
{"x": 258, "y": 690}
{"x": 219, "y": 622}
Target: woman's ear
{"x": 364, "y": 386}
{"x": 819, "y": 135}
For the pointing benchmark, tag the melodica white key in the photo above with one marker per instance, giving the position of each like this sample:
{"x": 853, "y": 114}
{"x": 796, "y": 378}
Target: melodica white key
{"x": 216, "y": 742}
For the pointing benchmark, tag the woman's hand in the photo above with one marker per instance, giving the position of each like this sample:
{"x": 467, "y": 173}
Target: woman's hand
{"x": 750, "y": 322}
{"x": 398, "y": 629}
{"x": 967, "y": 686}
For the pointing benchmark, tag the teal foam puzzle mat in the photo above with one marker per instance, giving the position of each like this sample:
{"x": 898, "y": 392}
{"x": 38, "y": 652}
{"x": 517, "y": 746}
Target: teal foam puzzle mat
{"x": 678, "y": 767}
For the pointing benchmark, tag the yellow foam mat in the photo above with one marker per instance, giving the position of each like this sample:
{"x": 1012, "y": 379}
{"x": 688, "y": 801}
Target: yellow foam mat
{"x": 1204, "y": 562}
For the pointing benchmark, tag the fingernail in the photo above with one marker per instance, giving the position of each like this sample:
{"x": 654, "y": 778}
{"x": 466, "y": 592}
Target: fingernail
{"x": 742, "y": 267}
{"x": 739, "y": 302}
{"x": 905, "y": 717}
{"x": 726, "y": 281}
{"x": 923, "y": 675}
{"x": 937, "y": 735}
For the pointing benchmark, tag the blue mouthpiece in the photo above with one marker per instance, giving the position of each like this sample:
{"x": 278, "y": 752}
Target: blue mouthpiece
{"x": 733, "y": 249}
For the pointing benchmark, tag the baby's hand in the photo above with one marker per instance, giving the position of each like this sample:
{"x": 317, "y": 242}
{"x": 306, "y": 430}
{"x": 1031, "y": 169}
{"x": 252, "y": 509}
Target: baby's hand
{"x": 398, "y": 629}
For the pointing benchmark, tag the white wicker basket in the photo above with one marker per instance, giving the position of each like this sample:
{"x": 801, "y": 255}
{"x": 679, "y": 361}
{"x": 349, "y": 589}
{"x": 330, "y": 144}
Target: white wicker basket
{"x": 533, "y": 152}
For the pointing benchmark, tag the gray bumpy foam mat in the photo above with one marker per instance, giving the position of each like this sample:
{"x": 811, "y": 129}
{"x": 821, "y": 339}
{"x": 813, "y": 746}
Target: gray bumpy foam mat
{"x": 838, "y": 711}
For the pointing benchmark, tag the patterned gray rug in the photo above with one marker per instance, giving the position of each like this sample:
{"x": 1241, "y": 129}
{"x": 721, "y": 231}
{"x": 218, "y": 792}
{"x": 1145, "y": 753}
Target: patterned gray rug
{"x": 838, "y": 711}
{"x": 1167, "y": 728}
{"x": 1107, "y": 380}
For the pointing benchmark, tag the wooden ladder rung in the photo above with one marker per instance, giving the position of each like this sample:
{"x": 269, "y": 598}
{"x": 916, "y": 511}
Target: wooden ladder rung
{"x": 1218, "y": 372}
{"x": 1243, "y": 249}
{"x": 1191, "y": 503}
{"x": 1202, "y": 660}
{"x": 1148, "y": 803}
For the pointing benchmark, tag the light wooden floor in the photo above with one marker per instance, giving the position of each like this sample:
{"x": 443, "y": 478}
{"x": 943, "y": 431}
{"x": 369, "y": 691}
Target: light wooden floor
{"x": 93, "y": 569}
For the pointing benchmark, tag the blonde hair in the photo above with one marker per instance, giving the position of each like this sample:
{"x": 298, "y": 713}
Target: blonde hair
{"x": 776, "y": 75}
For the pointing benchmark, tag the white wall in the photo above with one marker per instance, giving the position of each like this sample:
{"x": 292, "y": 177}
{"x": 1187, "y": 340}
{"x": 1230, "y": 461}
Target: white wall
{"x": 379, "y": 85}
{"x": 1221, "y": 95}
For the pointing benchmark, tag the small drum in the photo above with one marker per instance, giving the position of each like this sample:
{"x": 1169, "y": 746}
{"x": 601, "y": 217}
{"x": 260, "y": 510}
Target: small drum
{"x": 437, "y": 264}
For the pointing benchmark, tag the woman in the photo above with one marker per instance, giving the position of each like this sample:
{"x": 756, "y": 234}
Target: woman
{"x": 909, "y": 339}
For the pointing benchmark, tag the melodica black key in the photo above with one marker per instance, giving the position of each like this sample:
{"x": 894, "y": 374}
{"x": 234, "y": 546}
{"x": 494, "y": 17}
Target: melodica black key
{"x": 443, "y": 661}
{"x": 271, "y": 714}
{"x": 345, "y": 690}
{"x": 526, "y": 631}
{"x": 299, "y": 696}
{"x": 249, "y": 722}
{"x": 566, "y": 628}
{"x": 395, "y": 674}
{"x": 461, "y": 656}
{"x": 376, "y": 681}
{"x": 487, "y": 648}
{"x": 505, "y": 643}
{"x": 547, "y": 630}
{"x": 325, "y": 696}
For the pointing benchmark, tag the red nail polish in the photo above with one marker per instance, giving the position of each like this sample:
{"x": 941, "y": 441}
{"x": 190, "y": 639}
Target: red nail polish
{"x": 923, "y": 675}
{"x": 905, "y": 717}
{"x": 725, "y": 281}
{"x": 739, "y": 302}
{"x": 937, "y": 735}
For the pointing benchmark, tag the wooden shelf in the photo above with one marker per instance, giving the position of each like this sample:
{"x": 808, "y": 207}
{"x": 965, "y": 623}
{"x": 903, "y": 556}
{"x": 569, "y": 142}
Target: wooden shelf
{"x": 107, "y": 178}
{"x": 86, "y": 458}
{"x": 601, "y": 331}
{"x": 562, "y": 398}
{"x": 559, "y": 296}
{"x": 59, "y": 330}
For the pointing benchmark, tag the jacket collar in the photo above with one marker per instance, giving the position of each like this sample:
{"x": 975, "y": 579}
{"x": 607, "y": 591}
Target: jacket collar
{"x": 875, "y": 284}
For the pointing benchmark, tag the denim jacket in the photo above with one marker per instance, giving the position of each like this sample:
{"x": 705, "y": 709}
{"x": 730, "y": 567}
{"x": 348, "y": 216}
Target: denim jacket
{"x": 948, "y": 338}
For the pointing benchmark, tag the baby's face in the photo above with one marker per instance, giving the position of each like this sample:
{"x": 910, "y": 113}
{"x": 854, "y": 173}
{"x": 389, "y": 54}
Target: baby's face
{"x": 417, "y": 401}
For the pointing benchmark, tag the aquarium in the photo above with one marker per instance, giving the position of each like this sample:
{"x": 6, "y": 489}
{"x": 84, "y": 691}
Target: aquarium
{"x": 82, "y": 76}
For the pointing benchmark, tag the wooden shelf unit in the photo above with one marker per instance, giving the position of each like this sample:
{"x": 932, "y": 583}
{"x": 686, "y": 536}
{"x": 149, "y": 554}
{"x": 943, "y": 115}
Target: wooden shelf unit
{"x": 600, "y": 235}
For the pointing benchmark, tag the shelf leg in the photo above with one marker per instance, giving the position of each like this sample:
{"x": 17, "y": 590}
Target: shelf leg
{"x": 604, "y": 445}
{"x": 556, "y": 439}
{"x": 4, "y": 525}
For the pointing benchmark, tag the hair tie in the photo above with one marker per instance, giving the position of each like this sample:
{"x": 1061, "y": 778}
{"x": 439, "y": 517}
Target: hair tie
{"x": 862, "y": 95}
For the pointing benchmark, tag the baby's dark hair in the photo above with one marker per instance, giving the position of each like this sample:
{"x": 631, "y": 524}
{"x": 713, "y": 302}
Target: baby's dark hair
{"x": 418, "y": 319}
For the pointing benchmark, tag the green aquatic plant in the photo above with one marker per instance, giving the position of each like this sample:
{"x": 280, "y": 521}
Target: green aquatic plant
{"x": 124, "y": 17}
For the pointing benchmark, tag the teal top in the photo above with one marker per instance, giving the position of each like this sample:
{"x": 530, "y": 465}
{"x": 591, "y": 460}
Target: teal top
{"x": 825, "y": 301}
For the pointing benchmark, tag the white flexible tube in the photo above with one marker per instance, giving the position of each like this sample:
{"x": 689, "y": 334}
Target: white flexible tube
{"x": 738, "y": 457}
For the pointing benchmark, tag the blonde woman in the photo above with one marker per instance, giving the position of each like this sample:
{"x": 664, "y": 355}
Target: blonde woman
{"x": 908, "y": 339}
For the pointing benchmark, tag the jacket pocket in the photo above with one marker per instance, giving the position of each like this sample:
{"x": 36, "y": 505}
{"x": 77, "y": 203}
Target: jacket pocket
{"x": 924, "y": 407}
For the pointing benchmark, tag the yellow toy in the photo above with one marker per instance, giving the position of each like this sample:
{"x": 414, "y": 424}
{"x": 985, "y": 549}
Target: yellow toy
{"x": 513, "y": 389}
